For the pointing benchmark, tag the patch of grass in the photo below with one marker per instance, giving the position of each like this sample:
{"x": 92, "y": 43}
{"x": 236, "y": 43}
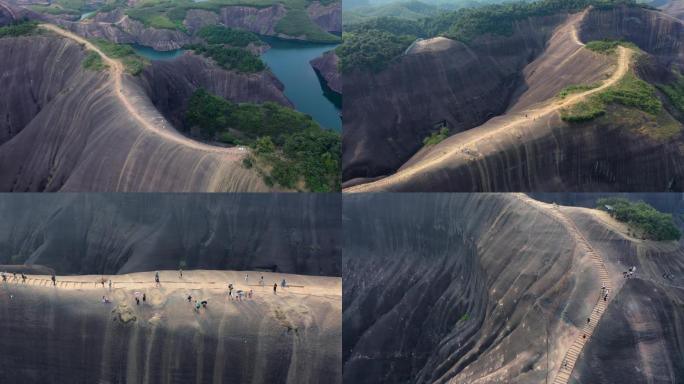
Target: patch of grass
{"x": 608, "y": 47}
{"x": 94, "y": 62}
{"x": 436, "y": 137}
{"x": 577, "y": 88}
{"x": 465, "y": 317}
{"x": 585, "y": 110}
{"x": 290, "y": 149}
{"x": 21, "y": 28}
{"x": 133, "y": 63}
{"x": 652, "y": 223}
{"x": 238, "y": 59}
{"x": 630, "y": 91}
{"x": 675, "y": 92}
{"x": 215, "y": 34}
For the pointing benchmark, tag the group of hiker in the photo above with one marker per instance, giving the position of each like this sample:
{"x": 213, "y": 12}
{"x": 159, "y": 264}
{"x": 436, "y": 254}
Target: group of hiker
{"x": 629, "y": 273}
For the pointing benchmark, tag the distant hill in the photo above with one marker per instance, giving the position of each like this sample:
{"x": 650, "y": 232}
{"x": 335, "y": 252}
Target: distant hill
{"x": 411, "y": 10}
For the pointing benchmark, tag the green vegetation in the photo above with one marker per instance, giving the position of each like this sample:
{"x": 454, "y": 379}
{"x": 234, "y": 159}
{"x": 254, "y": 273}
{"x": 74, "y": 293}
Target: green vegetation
{"x": 642, "y": 217}
{"x": 465, "y": 317}
{"x": 297, "y": 22}
{"x": 630, "y": 91}
{"x": 363, "y": 47}
{"x": 608, "y": 47}
{"x": 675, "y": 92}
{"x": 408, "y": 10}
{"x": 577, "y": 88}
{"x": 238, "y": 59}
{"x": 436, "y": 137}
{"x": 133, "y": 63}
{"x": 94, "y": 62}
{"x": 469, "y": 23}
{"x": 290, "y": 149}
{"x": 215, "y": 34}
{"x": 18, "y": 29}
{"x": 170, "y": 14}
{"x": 370, "y": 49}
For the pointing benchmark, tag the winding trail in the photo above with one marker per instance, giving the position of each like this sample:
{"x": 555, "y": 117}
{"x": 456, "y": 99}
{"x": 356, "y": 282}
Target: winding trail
{"x": 9, "y": 10}
{"x": 575, "y": 350}
{"x": 434, "y": 162}
{"x": 155, "y": 126}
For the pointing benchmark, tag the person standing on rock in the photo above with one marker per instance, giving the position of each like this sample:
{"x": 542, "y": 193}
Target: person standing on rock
{"x": 246, "y": 279}
{"x": 261, "y": 282}
{"x": 110, "y": 284}
{"x": 137, "y": 301}
{"x": 180, "y": 272}
{"x": 4, "y": 277}
{"x": 144, "y": 298}
{"x": 54, "y": 280}
{"x": 275, "y": 288}
{"x": 23, "y": 278}
{"x": 156, "y": 279}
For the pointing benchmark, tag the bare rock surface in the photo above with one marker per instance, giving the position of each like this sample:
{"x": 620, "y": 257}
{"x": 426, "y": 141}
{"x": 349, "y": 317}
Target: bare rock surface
{"x": 123, "y": 233}
{"x": 491, "y": 288}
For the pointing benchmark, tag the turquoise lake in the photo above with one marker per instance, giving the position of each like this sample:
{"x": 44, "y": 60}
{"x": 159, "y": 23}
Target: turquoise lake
{"x": 289, "y": 61}
{"x": 151, "y": 54}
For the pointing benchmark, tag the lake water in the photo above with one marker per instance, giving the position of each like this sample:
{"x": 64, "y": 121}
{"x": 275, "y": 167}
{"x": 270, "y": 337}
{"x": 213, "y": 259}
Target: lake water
{"x": 289, "y": 61}
{"x": 151, "y": 54}
{"x": 86, "y": 15}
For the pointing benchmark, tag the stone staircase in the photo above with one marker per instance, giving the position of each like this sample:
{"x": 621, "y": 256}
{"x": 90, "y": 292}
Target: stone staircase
{"x": 573, "y": 353}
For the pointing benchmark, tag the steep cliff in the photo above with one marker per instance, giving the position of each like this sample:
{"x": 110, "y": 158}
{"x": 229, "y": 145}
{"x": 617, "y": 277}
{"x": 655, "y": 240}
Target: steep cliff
{"x": 169, "y": 84}
{"x": 258, "y": 20}
{"x": 326, "y": 68}
{"x": 121, "y": 233}
{"x": 65, "y": 334}
{"x": 487, "y": 288}
{"x": 529, "y": 147}
{"x": 67, "y": 128}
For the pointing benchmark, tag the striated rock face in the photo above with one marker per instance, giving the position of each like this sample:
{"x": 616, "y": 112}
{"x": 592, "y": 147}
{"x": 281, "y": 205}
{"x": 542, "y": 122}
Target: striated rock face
{"x": 61, "y": 141}
{"x": 388, "y": 114}
{"x": 326, "y": 68}
{"x": 674, "y": 8}
{"x": 119, "y": 28}
{"x": 328, "y": 17}
{"x": 169, "y": 84}
{"x": 659, "y": 35}
{"x": 257, "y": 20}
{"x": 195, "y": 19}
{"x": 123, "y": 233}
{"x": 63, "y": 335}
{"x": 465, "y": 288}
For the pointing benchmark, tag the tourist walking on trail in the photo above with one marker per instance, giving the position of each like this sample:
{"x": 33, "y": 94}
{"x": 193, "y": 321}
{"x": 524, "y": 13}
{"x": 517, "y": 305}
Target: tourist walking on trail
{"x": 189, "y": 298}
{"x": 110, "y": 284}
{"x": 230, "y": 289}
{"x": 4, "y": 277}
{"x": 54, "y": 280}
{"x": 23, "y": 278}
{"x": 156, "y": 279}
{"x": 197, "y": 306}
{"x": 250, "y": 293}
{"x": 282, "y": 283}
{"x": 137, "y": 301}
{"x": 144, "y": 298}
{"x": 246, "y": 279}
{"x": 261, "y": 282}
{"x": 275, "y": 288}
{"x": 180, "y": 272}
